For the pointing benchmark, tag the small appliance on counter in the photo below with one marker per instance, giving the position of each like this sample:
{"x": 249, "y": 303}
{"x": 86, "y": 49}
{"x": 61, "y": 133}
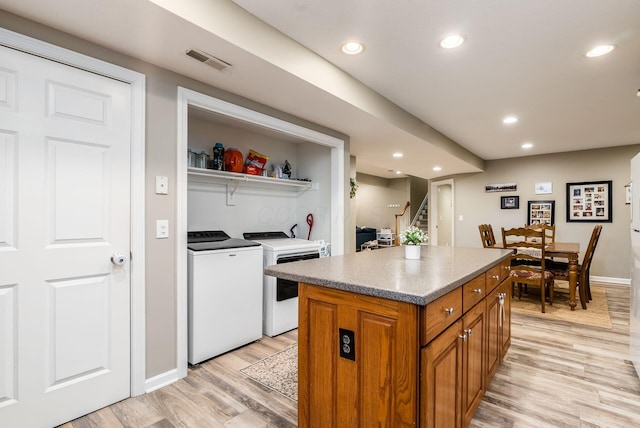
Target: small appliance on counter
{"x": 224, "y": 293}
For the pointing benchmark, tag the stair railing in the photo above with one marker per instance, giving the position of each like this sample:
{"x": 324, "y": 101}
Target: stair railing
{"x": 422, "y": 205}
{"x": 404, "y": 210}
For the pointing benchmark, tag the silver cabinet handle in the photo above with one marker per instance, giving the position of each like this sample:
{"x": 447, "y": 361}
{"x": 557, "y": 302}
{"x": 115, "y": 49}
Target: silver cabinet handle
{"x": 463, "y": 337}
{"x": 119, "y": 259}
{"x": 468, "y": 332}
{"x": 477, "y": 290}
{"x": 496, "y": 277}
{"x": 449, "y": 311}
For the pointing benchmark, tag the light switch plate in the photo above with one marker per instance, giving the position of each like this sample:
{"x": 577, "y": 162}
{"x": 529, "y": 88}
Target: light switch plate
{"x": 162, "y": 229}
{"x": 162, "y": 185}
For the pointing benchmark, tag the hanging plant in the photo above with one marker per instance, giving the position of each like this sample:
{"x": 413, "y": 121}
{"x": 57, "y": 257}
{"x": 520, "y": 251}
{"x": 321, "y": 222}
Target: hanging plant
{"x": 354, "y": 187}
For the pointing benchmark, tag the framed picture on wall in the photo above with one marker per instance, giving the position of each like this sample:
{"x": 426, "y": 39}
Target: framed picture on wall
{"x": 509, "y": 202}
{"x": 589, "y": 202}
{"x": 541, "y": 212}
{"x": 627, "y": 194}
{"x": 544, "y": 188}
{"x": 503, "y": 187}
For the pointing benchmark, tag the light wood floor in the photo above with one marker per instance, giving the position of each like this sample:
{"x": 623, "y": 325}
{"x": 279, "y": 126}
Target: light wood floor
{"x": 556, "y": 374}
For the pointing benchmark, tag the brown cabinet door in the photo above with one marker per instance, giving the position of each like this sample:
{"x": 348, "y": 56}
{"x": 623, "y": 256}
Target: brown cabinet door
{"x": 441, "y": 383}
{"x": 505, "y": 318}
{"x": 378, "y": 386}
{"x": 473, "y": 372}
{"x": 494, "y": 339}
{"x": 498, "y": 327}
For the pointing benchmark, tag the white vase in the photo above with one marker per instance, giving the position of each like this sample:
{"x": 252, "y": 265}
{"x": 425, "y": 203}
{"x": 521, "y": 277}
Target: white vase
{"x": 412, "y": 252}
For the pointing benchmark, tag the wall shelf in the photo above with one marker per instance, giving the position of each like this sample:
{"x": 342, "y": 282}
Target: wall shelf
{"x": 234, "y": 180}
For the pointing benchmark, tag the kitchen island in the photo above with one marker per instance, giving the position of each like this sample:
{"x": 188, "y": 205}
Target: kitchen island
{"x": 385, "y": 341}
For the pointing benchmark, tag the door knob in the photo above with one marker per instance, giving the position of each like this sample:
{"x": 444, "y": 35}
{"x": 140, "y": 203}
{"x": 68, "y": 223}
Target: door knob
{"x": 119, "y": 259}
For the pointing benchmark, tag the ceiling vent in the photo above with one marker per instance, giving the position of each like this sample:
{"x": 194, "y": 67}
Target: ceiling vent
{"x": 210, "y": 60}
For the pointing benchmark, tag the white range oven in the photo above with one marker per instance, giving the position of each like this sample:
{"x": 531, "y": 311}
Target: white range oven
{"x": 280, "y": 296}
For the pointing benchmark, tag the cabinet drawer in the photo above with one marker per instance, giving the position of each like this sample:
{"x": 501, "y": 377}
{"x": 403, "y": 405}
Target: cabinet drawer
{"x": 473, "y": 291}
{"x": 439, "y": 314}
{"x": 496, "y": 275}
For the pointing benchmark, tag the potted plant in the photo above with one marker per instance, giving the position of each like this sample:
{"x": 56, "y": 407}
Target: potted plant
{"x": 411, "y": 238}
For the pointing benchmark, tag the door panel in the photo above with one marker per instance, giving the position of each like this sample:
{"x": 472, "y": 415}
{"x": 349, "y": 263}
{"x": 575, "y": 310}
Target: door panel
{"x": 8, "y": 348}
{"x": 64, "y": 210}
{"x": 75, "y": 103}
{"x": 8, "y": 170}
{"x": 78, "y": 219}
{"x": 71, "y": 324}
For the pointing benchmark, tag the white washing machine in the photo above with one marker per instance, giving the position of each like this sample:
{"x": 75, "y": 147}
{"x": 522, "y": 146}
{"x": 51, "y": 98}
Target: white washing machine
{"x": 280, "y": 310}
{"x": 224, "y": 293}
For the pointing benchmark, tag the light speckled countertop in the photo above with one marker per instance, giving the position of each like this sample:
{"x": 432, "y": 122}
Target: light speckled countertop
{"x": 386, "y": 273}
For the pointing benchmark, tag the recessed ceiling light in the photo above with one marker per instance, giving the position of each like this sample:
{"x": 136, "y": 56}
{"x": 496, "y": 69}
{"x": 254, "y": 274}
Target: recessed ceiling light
{"x": 352, "y": 47}
{"x": 600, "y": 50}
{"x": 452, "y": 41}
{"x": 437, "y": 168}
{"x": 509, "y": 120}
{"x": 398, "y": 172}
{"x": 397, "y": 155}
{"x": 527, "y": 146}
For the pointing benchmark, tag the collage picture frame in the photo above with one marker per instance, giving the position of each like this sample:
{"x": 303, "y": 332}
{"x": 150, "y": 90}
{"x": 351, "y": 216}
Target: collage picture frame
{"x": 590, "y": 201}
{"x": 541, "y": 212}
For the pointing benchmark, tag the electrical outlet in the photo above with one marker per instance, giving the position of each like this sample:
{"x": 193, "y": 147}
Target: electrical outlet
{"x": 347, "y": 344}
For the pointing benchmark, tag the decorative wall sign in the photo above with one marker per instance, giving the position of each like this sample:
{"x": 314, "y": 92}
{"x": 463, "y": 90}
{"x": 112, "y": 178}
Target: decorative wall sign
{"x": 507, "y": 187}
{"x": 509, "y": 202}
{"x": 541, "y": 212}
{"x": 544, "y": 188}
{"x": 589, "y": 202}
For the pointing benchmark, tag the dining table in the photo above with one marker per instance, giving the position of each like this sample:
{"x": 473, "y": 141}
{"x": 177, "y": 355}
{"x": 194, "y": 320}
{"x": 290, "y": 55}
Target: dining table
{"x": 569, "y": 251}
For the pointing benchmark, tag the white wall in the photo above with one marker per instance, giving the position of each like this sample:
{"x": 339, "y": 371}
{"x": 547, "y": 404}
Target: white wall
{"x": 261, "y": 209}
{"x": 314, "y": 161}
{"x": 612, "y": 254}
{"x": 373, "y": 198}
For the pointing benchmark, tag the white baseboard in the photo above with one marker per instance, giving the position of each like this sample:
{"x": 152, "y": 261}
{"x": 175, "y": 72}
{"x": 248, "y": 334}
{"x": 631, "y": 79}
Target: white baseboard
{"x": 161, "y": 380}
{"x": 609, "y": 280}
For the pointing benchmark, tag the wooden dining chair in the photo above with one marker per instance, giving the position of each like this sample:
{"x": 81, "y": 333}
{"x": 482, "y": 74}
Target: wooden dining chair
{"x": 549, "y": 229}
{"x": 528, "y": 261}
{"x": 486, "y": 235}
{"x": 561, "y": 269}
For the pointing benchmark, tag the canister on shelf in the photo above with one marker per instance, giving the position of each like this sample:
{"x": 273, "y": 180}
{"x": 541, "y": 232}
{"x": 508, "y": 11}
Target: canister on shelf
{"x": 202, "y": 159}
{"x": 218, "y": 157}
{"x": 233, "y": 160}
{"x": 191, "y": 158}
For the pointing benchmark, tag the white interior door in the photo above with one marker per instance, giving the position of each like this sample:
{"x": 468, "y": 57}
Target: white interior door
{"x": 64, "y": 211}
